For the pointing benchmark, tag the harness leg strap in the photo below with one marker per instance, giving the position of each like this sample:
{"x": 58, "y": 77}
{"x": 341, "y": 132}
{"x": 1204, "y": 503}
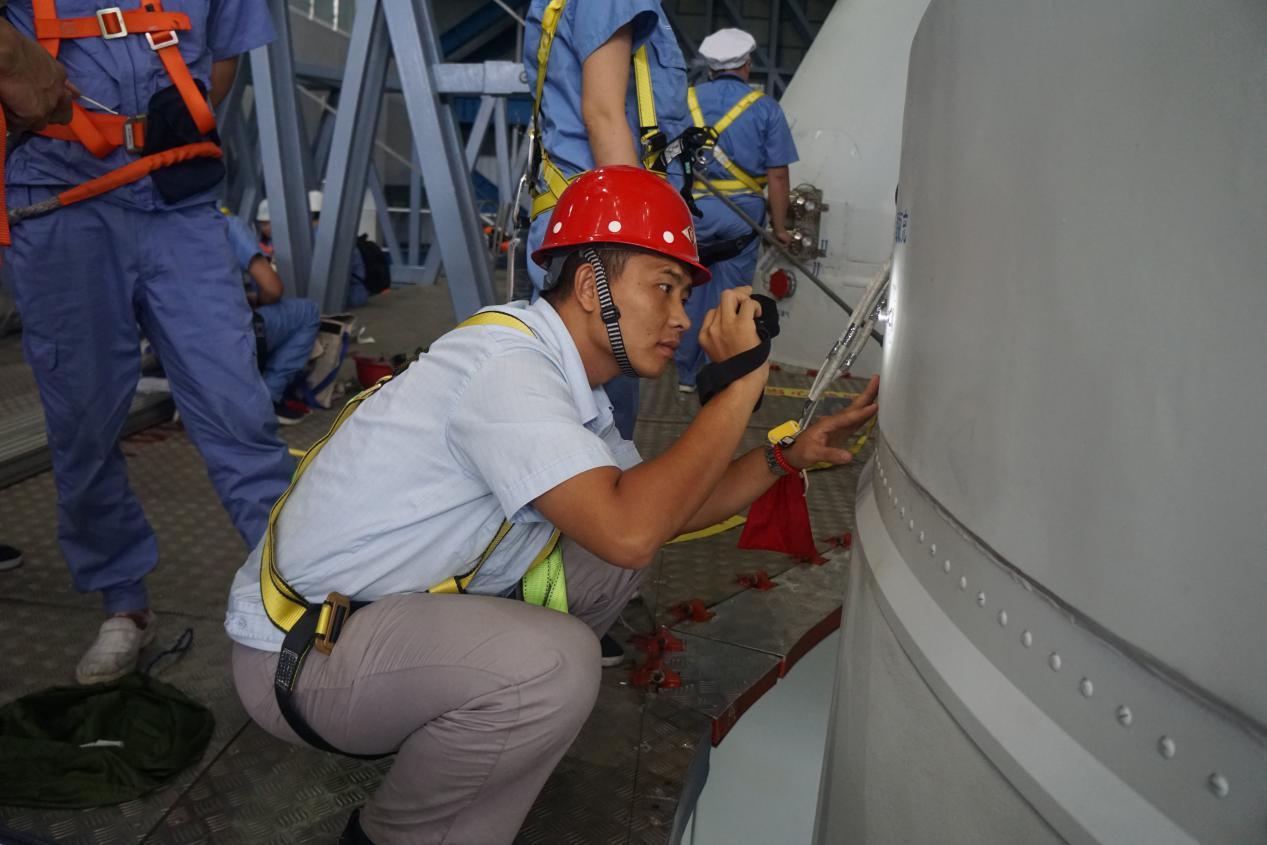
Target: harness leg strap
{"x": 299, "y": 641}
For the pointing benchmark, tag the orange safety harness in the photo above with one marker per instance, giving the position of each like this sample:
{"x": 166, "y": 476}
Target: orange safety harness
{"x": 104, "y": 133}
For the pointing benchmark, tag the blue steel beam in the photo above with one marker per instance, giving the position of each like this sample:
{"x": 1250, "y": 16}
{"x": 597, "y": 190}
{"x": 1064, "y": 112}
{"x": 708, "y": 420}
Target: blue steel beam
{"x": 277, "y": 112}
{"x": 355, "y": 127}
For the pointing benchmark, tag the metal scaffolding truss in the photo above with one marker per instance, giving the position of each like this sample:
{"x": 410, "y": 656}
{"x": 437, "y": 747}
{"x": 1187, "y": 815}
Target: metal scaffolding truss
{"x": 393, "y": 48}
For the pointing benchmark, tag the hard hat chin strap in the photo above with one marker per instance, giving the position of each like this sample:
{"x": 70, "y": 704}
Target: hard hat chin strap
{"x": 609, "y": 312}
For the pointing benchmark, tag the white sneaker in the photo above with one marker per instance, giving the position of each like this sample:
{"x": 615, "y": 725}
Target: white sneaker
{"x": 115, "y": 650}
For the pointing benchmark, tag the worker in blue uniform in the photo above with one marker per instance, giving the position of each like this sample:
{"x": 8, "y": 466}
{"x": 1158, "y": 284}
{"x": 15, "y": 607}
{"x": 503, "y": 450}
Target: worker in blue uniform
{"x": 588, "y": 111}
{"x": 33, "y": 93}
{"x": 154, "y": 252}
{"x": 753, "y": 150}
{"x": 357, "y": 294}
{"x": 289, "y": 325}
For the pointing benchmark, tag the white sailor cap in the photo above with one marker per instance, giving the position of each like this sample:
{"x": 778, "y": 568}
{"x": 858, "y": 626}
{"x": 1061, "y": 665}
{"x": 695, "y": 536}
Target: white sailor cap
{"x": 727, "y": 48}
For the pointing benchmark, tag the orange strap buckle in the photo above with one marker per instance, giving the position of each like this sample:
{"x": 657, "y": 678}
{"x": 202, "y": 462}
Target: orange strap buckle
{"x": 112, "y": 23}
{"x": 134, "y": 133}
{"x": 169, "y": 40}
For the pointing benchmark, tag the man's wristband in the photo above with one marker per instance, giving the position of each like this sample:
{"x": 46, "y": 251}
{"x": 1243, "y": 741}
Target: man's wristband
{"x": 772, "y": 462}
{"x": 777, "y": 461}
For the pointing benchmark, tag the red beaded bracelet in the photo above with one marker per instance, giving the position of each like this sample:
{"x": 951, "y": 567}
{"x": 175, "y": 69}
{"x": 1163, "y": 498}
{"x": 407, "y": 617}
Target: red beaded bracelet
{"x": 783, "y": 461}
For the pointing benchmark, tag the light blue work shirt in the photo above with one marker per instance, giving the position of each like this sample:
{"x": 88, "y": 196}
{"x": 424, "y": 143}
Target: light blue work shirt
{"x": 757, "y": 140}
{"x": 584, "y": 27}
{"x": 413, "y": 486}
{"x": 243, "y": 241}
{"x": 123, "y": 74}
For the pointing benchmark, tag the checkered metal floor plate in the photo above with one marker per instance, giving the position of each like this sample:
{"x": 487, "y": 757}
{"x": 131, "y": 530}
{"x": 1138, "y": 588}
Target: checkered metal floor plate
{"x": 630, "y": 777}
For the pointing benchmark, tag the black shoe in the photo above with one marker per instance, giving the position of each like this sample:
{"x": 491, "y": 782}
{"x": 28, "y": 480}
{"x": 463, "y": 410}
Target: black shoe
{"x": 10, "y": 558}
{"x": 290, "y": 412}
{"x": 613, "y": 653}
{"x": 352, "y": 834}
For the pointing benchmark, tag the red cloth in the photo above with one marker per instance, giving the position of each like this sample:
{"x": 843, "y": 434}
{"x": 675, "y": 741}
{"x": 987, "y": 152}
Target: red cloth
{"x": 779, "y": 521}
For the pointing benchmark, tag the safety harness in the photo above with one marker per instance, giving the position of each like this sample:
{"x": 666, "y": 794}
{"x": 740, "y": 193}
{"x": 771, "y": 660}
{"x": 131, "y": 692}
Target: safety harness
{"x": 311, "y": 625}
{"x": 552, "y": 181}
{"x": 103, "y": 133}
{"x": 743, "y": 182}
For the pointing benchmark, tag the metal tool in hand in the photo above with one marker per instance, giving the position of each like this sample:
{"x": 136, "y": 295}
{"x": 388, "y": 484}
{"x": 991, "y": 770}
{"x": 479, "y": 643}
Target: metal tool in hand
{"x": 845, "y": 351}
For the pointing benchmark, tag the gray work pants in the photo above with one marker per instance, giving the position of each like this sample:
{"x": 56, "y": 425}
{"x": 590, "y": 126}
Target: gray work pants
{"x": 479, "y": 697}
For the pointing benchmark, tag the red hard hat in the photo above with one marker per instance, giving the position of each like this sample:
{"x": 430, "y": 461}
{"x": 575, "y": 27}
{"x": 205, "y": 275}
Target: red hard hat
{"x": 625, "y": 206}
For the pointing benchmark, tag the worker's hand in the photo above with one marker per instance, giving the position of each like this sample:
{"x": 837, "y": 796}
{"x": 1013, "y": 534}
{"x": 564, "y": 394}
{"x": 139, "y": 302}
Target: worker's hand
{"x": 783, "y": 236}
{"x": 825, "y": 438}
{"x": 731, "y": 327}
{"x": 33, "y": 86}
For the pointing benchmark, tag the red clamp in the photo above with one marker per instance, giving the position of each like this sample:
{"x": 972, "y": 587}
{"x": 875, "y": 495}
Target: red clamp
{"x": 660, "y": 642}
{"x": 759, "y": 580}
{"x": 840, "y": 541}
{"x": 816, "y": 560}
{"x": 655, "y": 675}
{"x": 692, "y": 610}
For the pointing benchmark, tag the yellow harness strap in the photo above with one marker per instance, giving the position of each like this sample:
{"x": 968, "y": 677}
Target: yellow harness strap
{"x": 553, "y": 181}
{"x": 743, "y": 182}
{"x": 282, "y": 603}
{"x": 647, "y": 122}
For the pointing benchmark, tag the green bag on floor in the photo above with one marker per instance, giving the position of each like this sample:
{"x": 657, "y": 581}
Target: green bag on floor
{"x": 87, "y": 746}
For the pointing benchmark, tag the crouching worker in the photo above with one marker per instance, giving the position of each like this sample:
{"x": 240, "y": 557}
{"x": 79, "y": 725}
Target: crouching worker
{"x": 429, "y": 625}
{"x": 285, "y": 329}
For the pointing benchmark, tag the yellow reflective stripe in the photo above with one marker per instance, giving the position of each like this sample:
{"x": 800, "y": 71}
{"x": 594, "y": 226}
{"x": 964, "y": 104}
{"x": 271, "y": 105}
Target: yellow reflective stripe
{"x": 555, "y": 184}
{"x": 642, "y": 86}
{"x": 743, "y": 178}
{"x": 743, "y": 182}
{"x": 545, "y": 550}
{"x": 732, "y": 186}
{"x": 457, "y": 584}
{"x": 549, "y": 26}
{"x": 496, "y": 318}
{"x": 696, "y": 114}
{"x": 736, "y": 110}
{"x": 555, "y": 181}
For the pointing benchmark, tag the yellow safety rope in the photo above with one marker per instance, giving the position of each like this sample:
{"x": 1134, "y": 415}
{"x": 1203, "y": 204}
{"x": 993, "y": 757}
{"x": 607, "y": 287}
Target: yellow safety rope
{"x": 743, "y": 182}
{"x": 283, "y": 604}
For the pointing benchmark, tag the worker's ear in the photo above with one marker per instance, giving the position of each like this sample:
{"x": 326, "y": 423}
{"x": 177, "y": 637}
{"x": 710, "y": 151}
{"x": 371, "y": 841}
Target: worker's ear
{"x": 583, "y": 288}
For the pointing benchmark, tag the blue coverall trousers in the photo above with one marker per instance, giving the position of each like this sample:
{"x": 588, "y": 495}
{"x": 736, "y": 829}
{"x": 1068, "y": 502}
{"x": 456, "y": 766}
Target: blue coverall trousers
{"x": 290, "y": 328}
{"x": 719, "y": 223}
{"x": 84, "y": 277}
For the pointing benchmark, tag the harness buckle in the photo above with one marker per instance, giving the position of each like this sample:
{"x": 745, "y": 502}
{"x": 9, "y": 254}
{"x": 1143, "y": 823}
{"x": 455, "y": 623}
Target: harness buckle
{"x": 117, "y": 28}
{"x": 170, "y": 39}
{"x": 134, "y": 133}
{"x": 335, "y": 611}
